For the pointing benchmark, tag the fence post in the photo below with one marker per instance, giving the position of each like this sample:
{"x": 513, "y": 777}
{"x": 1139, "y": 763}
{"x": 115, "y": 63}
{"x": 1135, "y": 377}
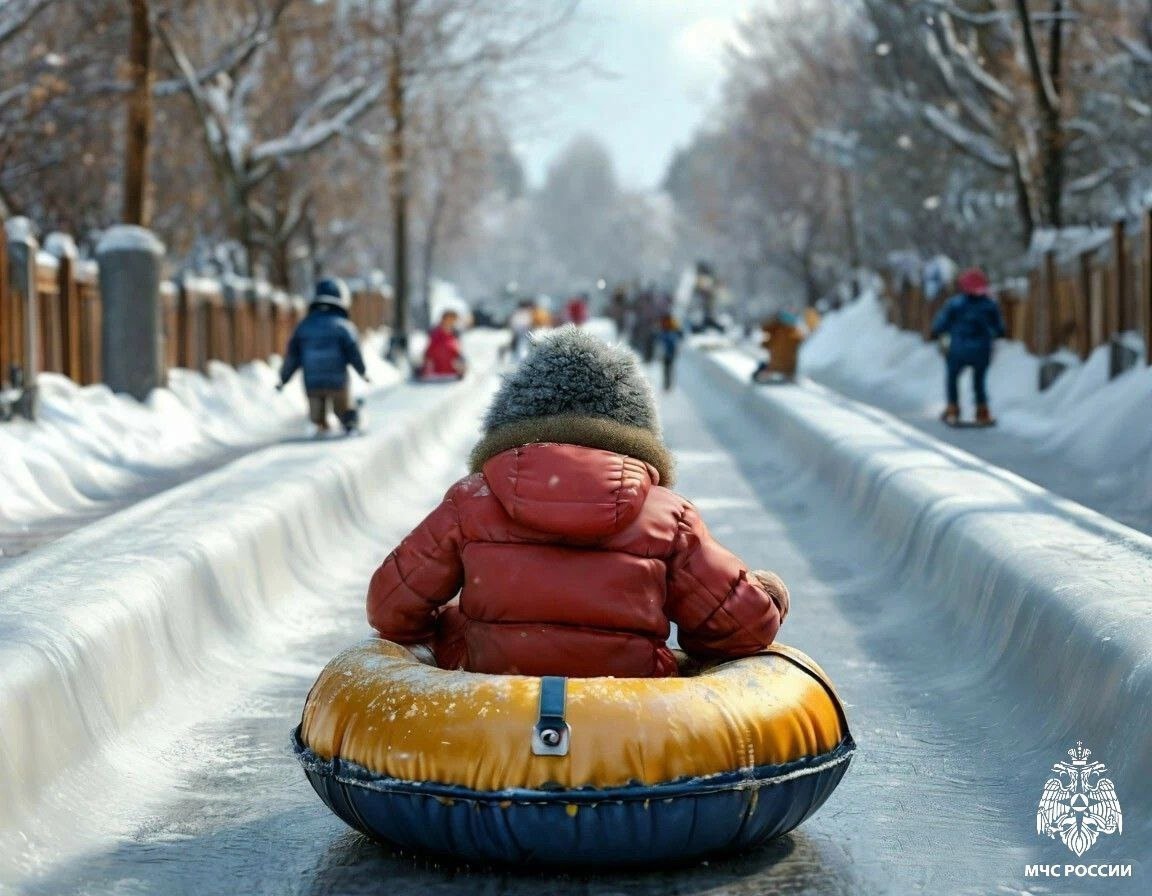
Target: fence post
{"x": 89, "y": 326}
{"x": 1084, "y": 307}
{"x": 7, "y": 321}
{"x": 1045, "y": 312}
{"x": 1047, "y": 306}
{"x": 63, "y": 247}
{"x": 1146, "y": 289}
{"x": 25, "y": 356}
{"x": 1121, "y": 355}
{"x": 130, "y": 259}
{"x": 262, "y": 336}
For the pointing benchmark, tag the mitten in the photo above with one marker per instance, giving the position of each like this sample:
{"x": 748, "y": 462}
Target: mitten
{"x": 775, "y": 587}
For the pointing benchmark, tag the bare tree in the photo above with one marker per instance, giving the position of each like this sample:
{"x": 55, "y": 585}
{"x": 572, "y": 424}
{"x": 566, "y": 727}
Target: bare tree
{"x": 244, "y": 160}
{"x": 138, "y": 128}
{"x": 431, "y": 46}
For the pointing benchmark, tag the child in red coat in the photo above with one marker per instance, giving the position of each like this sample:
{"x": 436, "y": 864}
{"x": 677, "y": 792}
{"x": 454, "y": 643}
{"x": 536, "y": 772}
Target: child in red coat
{"x": 443, "y": 357}
{"x": 566, "y": 550}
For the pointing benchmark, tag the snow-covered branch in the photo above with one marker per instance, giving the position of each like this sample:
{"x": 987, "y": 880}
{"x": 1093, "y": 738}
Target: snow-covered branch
{"x": 16, "y": 15}
{"x": 979, "y": 19}
{"x": 1140, "y": 52}
{"x": 305, "y": 137}
{"x": 975, "y": 145}
{"x": 972, "y": 66}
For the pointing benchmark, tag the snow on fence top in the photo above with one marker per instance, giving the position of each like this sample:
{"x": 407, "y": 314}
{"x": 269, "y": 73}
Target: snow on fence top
{"x": 65, "y": 316}
{"x": 1083, "y": 288}
{"x": 129, "y": 238}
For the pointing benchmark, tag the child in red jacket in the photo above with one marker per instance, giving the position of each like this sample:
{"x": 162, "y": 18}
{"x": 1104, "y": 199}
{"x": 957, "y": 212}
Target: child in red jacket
{"x": 566, "y": 550}
{"x": 443, "y": 357}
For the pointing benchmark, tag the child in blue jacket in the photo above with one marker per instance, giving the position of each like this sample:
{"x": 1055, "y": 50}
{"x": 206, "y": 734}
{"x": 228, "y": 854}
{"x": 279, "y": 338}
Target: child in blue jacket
{"x": 324, "y": 345}
{"x": 972, "y": 322}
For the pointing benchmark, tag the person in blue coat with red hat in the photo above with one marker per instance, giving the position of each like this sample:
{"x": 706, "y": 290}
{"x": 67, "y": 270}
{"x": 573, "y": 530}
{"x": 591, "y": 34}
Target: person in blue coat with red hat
{"x": 972, "y": 322}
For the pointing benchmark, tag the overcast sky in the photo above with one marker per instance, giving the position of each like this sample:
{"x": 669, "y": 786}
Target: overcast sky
{"x": 663, "y": 65}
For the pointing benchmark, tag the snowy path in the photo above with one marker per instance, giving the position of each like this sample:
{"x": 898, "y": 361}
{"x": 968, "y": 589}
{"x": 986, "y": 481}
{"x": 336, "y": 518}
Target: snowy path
{"x": 941, "y": 798}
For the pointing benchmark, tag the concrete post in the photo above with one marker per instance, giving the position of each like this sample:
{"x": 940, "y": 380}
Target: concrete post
{"x": 130, "y": 260}
{"x": 22, "y": 249}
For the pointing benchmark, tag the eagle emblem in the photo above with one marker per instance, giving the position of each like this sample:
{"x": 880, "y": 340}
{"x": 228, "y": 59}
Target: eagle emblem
{"x": 1079, "y": 804}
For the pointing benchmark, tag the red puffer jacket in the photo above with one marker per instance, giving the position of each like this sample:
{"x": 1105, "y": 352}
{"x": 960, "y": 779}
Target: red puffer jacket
{"x": 568, "y": 561}
{"x": 443, "y": 353}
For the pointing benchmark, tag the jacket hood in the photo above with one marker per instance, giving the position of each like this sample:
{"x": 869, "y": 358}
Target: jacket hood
{"x": 576, "y": 429}
{"x": 570, "y": 490}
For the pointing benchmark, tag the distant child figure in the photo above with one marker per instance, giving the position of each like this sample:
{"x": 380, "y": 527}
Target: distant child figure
{"x": 520, "y": 323}
{"x": 541, "y": 317}
{"x": 972, "y": 322}
{"x": 578, "y": 310}
{"x": 565, "y": 553}
{"x": 782, "y": 337}
{"x": 669, "y": 337}
{"x": 444, "y": 358}
{"x": 324, "y": 345}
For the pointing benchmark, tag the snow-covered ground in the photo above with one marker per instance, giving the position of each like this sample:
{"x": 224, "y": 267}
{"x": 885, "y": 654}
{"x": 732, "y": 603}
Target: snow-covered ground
{"x": 1087, "y": 436}
{"x": 117, "y": 636}
{"x": 91, "y": 451}
{"x": 153, "y": 663}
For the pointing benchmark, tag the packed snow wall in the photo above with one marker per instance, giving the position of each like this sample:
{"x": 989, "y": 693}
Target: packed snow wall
{"x": 1050, "y": 601}
{"x": 101, "y": 627}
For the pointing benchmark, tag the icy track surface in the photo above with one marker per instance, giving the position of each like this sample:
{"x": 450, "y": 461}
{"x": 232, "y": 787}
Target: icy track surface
{"x": 92, "y": 452}
{"x": 202, "y": 795}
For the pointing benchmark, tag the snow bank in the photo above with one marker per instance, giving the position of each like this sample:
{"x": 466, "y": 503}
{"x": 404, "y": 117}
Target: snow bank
{"x": 857, "y": 345}
{"x": 1048, "y": 599}
{"x": 102, "y": 625}
{"x": 91, "y": 450}
{"x": 1100, "y": 426}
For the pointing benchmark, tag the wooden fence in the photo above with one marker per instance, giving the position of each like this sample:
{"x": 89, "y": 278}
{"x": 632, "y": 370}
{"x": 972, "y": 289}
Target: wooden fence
{"x": 233, "y": 320}
{"x": 1076, "y": 297}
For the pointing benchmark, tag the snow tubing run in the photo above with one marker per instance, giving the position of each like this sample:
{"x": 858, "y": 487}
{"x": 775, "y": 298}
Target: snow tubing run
{"x": 582, "y": 771}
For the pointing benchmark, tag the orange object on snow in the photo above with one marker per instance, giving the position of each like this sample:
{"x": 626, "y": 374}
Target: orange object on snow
{"x": 782, "y": 339}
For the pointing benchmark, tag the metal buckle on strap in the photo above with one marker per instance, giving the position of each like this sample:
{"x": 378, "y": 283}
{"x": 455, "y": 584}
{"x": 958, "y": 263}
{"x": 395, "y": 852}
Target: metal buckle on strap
{"x": 552, "y": 733}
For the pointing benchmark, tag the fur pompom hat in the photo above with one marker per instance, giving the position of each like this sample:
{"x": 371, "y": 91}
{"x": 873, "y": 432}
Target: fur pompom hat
{"x": 576, "y": 389}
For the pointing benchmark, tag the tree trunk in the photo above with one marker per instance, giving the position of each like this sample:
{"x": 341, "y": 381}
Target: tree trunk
{"x": 428, "y": 259}
{"x": 279, "y": 264}
{"x": 1055, "y": 163}
{"x": 398, "y": 176}
{"x": 851, "y": 229}
{"x": 1046, "y": 84}
{"x": 1024, "y": 203}
{"x": 243, "y": 227}
{"x": 139, "y": 124}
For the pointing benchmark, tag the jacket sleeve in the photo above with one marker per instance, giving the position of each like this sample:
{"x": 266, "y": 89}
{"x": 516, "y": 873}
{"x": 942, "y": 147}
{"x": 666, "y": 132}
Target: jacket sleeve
{"x": 350, "y": 345}
{"x": 424, "y": 572}
{"x": 291, "y": 362}
{"x": 943, "y": 319}
{"x": 720, "y": 611}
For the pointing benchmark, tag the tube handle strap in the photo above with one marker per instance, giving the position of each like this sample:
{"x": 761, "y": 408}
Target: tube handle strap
{"x": 552, "y": 733}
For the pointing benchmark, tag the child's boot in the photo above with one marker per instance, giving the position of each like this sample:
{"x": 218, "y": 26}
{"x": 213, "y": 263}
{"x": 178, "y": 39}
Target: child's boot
{"x": 951, "y": 415}
{"x": 984, "y": 416}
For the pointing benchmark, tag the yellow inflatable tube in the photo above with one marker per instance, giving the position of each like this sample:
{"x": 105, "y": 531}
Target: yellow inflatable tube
{"x": 380, "y": 727}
